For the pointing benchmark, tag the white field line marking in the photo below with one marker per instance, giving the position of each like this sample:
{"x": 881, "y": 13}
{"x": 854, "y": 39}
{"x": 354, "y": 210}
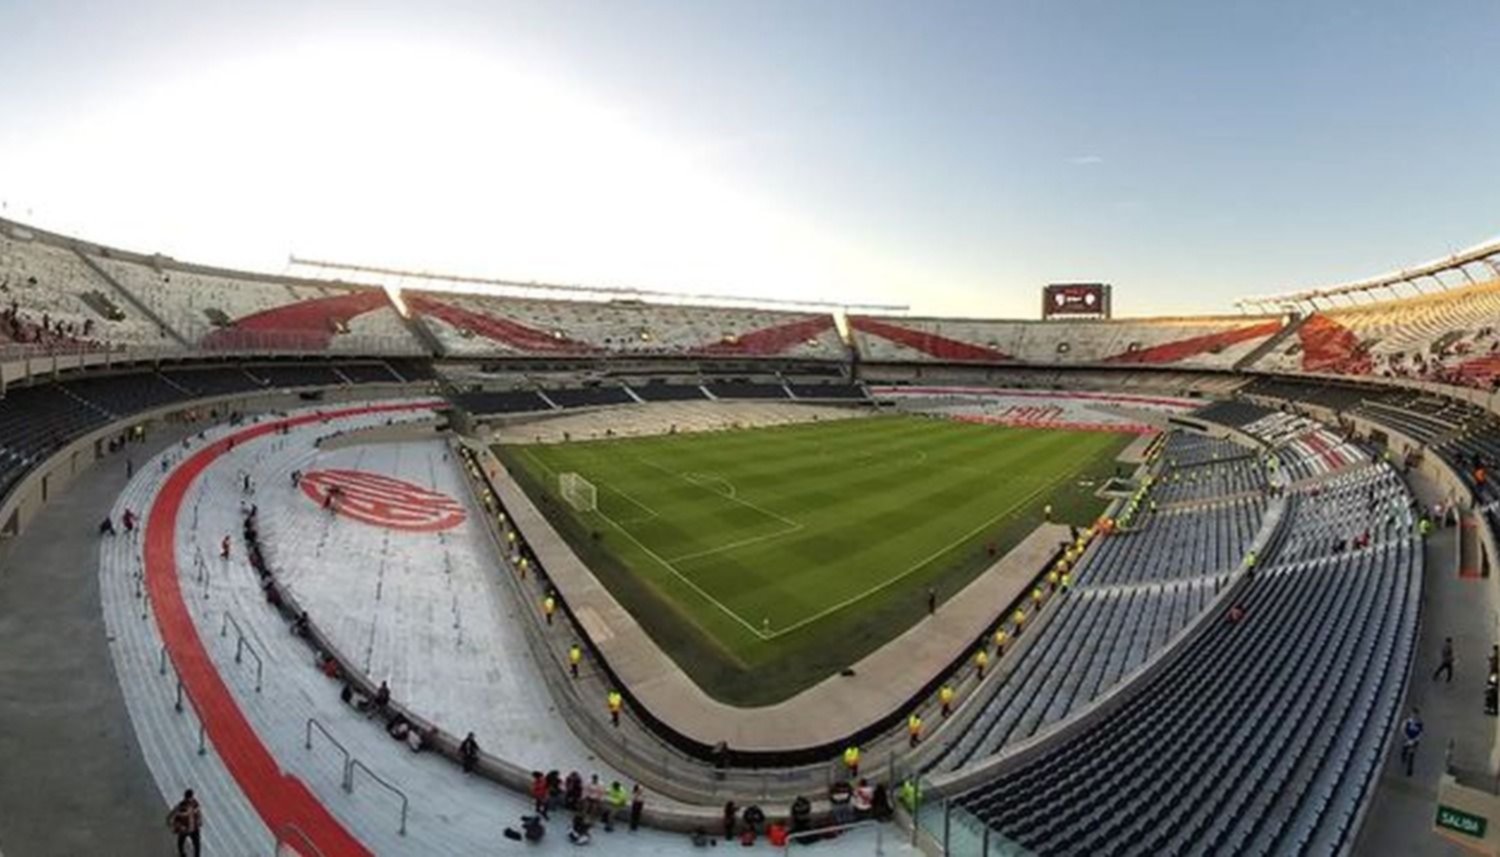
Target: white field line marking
{"x": 665, "y": 563}
{"x": 684, "y": 578}
{"x": 920, "y": 563}
{"x": 785, "y": 531}
{"x": 650, "y": 512}
{"x": 686, "y": 477}
{"x": 700, "y": 478}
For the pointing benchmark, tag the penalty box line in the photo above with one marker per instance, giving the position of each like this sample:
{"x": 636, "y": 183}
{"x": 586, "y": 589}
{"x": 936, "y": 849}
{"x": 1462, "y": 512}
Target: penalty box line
{"x": 664, "y": 563}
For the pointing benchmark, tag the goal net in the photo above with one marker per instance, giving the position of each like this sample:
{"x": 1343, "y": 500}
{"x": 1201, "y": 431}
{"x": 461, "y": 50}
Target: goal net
{"x": 579, "y": 492}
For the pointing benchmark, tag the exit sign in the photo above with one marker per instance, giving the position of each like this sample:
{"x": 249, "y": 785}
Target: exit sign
{"x": 1461, "y": 822}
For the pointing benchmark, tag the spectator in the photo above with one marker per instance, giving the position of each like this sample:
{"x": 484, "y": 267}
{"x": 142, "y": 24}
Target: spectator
{"x": 382, "y": 698}
{"x": 593, "y": 797}
{"x": 107, "y": 527}
{"x": 731, "y": 812}
{"x": 539, "y": 793}
{"x": 618, "y": 798}
{"x": 864, "y": 799}
{"x": 468, "y": 751}
{"x": 186, "y": 821}
{"x": 573, "y": 792}
{"x": 1411, "y": 732}
{"x": 1445, "y": 666}
{"x": 637, "y": 805}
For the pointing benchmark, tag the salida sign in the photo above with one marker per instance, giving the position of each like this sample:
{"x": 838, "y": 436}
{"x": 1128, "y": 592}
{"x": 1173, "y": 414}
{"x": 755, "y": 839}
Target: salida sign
{"x": 383, "y": 501}
{"x": 1459, "y": 821}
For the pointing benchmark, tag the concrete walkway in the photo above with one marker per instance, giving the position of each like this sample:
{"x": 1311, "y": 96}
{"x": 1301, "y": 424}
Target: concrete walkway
{"x": 1400, "y": 819}
{"x": 73, "y": 779}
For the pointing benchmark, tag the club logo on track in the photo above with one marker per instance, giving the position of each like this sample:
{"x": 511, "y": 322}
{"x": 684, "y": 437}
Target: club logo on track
{"x": 382, "y": 500}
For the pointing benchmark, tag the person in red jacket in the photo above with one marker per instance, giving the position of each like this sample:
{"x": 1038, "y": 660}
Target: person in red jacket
{"x": 539, "y": 792}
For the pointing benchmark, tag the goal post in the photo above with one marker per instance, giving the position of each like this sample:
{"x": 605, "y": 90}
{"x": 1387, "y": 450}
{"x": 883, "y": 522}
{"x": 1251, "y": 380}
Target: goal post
{"x": 578, "y": 492}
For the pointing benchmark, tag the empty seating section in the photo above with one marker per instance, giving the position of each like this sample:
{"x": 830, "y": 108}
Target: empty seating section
{"x": 1097, "y": 637}
{"x": 745, "y": 390}
{"x": 368, "y": 373}
{"x": 211, "y": 382}
{"x": 1177, "y": 543}
{"x": 1257, "y": 737}
{"x": 1207, "y": 342}
{"x": 1450, "y": 337}
{"x": 669, "y": 392}
{"x": 827, "y": 391}
{"x": 1367, "y": 503}
{"x": 233, "y": 312}
{"x": 34, "y": 422}
{"x": 1242, "y": 475}
{"x": 44, "y": 284}
{"x": 37, "y": 420}
{"x": 484, "y": 324}
{"x": 502, "y": 402}
{"x": 412, "y": 369}
{"x": 122, "y": 395}
{"x": 1232, "y": 413}
{"x": 589, "y": 396}
{"x": 1181, "y": 449}
{"x": 294, "y": 376}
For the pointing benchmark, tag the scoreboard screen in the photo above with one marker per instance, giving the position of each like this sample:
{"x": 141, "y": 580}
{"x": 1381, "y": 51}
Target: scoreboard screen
{"x": 1089, "y": 299}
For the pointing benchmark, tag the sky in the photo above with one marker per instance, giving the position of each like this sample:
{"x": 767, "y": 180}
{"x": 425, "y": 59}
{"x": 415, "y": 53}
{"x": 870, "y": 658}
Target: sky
{"x": 947, "y": 157}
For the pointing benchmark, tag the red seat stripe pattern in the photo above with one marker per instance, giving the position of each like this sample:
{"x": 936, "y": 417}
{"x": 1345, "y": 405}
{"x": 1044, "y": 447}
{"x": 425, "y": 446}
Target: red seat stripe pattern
{"x": 932, "y": 344}
{"x": 773, "y": 340}
{"x": 306, "y": 324}
{"x": 277, "y": 796}
{"x": 1328, "y": 346}
{"x": 505, "y": 331}
{"x": 1182, "y": 349}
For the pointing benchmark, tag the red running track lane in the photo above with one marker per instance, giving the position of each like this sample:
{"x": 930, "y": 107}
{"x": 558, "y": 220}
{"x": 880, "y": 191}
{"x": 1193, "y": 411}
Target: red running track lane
{"x": 279, "y": 797}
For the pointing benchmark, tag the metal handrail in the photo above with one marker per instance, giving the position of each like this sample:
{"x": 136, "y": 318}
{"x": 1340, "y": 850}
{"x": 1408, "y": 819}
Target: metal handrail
{"x": 182, "y": 694}
{"x": 307, "y": 744}
{"x": 377, "y": 778}
{"x": 230, "y": 620}
{"x": 242, "y": 645}
{"x": 288, "y": 827}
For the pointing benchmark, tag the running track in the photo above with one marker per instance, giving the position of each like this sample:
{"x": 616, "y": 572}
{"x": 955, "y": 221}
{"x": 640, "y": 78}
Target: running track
{"x": 279, "y": 798}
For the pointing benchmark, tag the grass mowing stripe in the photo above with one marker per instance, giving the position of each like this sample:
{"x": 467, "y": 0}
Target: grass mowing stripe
{"x": 925, "y": 560}
{"x": 886, "y": 506}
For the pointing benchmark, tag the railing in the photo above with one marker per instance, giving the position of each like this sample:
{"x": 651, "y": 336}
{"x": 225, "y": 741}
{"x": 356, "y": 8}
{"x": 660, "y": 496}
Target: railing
{"x": 338, "y": 745}
{"x": 178, "y": 703}
{"x": 241, "y": 646}
{"x": 361, "y": 766}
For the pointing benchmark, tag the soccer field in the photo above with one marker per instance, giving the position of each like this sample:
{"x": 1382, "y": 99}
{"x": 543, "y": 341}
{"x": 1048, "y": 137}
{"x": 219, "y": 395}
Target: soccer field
{"x": 763, "y": 560}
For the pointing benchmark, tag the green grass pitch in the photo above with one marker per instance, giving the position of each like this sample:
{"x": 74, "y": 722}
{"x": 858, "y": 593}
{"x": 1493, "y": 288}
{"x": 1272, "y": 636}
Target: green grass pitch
{"x": 765, "y": 559}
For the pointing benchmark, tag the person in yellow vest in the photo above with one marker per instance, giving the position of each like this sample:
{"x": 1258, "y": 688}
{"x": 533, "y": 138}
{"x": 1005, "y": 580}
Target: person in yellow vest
{"x": 1047, "y": 513}
{"x": 1036, "y": 595}
{"x": 549, "y": 606}
{"x": 1066, "y": 581}
{"x": 1019, "y": 618}
{"x": 945, "y": 697}
{"x": 615, "y": 702}
{"x": 851, "y": 761}
{"x": 1052, "y": 579}
{"x": 999, "y": 642}
{"x": 523, "y": 564}
{"x": 575, "y": 657}
{"x": 981, "y": 660}
{"x": 913, "y": 729}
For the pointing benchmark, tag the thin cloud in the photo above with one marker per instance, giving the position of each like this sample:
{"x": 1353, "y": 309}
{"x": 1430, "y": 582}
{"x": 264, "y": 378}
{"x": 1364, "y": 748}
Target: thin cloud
{"x": 1086, "y": 160}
